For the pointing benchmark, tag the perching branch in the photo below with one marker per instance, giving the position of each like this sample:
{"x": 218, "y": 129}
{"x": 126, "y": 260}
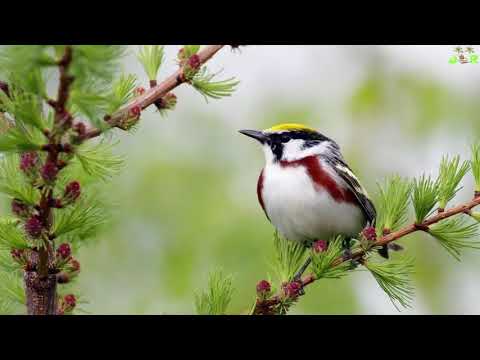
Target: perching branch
{"x": 268, "y": 306}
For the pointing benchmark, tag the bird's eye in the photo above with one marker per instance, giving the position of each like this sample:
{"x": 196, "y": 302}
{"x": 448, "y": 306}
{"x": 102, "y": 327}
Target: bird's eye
{"x": 284, "y": 138}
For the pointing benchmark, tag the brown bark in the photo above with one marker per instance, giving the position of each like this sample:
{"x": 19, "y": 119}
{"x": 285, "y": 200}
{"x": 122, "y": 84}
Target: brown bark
{"x": 40, "y": 290}
{"x": 40, "y": 293}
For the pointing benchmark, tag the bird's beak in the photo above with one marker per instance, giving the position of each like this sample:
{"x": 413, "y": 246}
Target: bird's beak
{"x": 257, "y": 135}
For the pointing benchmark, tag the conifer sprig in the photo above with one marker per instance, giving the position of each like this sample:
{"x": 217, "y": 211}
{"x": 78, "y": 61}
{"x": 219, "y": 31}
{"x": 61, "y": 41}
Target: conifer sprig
{"x": 98, "y": 160}
{"x": 322, "y": 262}
{"x": 456, "y": 234}
{"x": 51, "y": 186}
{"x": 11, "y": 235}
{"x": 449, "y": 177}
{"x": 82, "y": 219}
{"x": 217, "y": 297}
{"x": 13, "y": 183}
{"x": 122, "y": 92}
{"x": 151, "y": 58}
{"x": 203, "y": 82}
{"x": 392, "y": 204}
{"x": 393, "y": 276}
{"x": 12, "y": 294}
{"x": 424, "y": 196}
{"x": 289, "y": 257}
{"x": 475, "y": 165}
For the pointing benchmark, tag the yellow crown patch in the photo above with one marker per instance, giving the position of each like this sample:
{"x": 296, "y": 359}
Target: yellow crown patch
{"x": 289, "y": 127}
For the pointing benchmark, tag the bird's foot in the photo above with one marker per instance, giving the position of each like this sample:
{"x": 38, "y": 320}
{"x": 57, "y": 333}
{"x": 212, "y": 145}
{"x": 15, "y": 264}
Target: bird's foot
{"x": 354, "y": 264}
{"x": 297, "y": 279}
{"x": 347, "y": 254}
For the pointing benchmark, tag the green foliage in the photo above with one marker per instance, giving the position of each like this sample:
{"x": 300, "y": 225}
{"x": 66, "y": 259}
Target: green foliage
{"x": 25, "y": 131}
{"x": 475, "y": 165}
{"x": 189, "y": 50}
{"x": 24, "y": 60}
{"x": 322, "y": 262}
{"x": 215, "y": 300}
{"x": 203, "y": 82}
{"x": 18, "y": 139}
{"x": 451, "y": 173}
{"x": 93, "y": 91}
{"x": 393, "y": 276}
{"x": 12, "y": 181}
{"x": 7, "y": 263}
{"x": 11, "y": 234}
{"x": 98, "y": 62}
{"x": 91, "y": 102}
{"x": 11, "y": 288}
{"x": 392, "y": 204}
{"x": 25, "y": 108}
{"x": 424, "y": 196}
{"x": 122, "y": 92}
{"x": 32, "y": 82}
{"x": 98, "y": 160}
{"x": 456, "y": 233}
{"x": 289, "y": 257}
{"x": 7, "y": 307}
{"x": 82, "y": 220}
{"x": 151, "y": 58}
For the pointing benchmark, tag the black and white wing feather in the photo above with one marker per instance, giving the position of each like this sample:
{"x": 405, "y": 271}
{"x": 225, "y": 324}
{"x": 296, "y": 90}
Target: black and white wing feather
{"x": 344, "y": 171}
{"x": 368, "y": 209}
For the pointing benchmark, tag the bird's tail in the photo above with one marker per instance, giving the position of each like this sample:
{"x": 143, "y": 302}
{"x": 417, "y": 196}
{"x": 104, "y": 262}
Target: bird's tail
{"x": 383, "y": 252}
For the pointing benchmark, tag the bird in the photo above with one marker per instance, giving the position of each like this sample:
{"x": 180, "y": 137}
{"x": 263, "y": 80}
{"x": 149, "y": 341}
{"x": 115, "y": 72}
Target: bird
{"x": 307, "y": 190}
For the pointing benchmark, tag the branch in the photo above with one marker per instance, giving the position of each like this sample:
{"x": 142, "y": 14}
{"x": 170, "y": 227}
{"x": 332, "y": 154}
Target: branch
{"x": 155, "y": 93}
{"x": 268, "y": 306}
{"x": 40, "y": 285}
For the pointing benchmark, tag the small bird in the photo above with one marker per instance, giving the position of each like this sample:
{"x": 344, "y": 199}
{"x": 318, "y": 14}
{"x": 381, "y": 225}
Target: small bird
{"x": 307, "y": 190}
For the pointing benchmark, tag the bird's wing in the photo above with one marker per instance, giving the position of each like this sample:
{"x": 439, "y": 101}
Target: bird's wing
{"x": 343, "y": 170}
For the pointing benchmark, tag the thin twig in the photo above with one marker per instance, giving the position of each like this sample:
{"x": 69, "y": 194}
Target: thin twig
{"x": 155, "y": 93}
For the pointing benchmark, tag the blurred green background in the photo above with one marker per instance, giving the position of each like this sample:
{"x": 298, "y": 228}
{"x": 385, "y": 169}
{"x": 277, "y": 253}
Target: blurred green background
{"x": 186, "y": 202}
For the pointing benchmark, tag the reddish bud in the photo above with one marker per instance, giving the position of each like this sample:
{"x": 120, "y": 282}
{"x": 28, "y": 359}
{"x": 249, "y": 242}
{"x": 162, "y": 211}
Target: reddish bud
{"x": 67, "y": 148}
{"x": 292, "y": 289}
{"x": 369, "y": 233}
{"x": 18, "y": 255}
{"x": 194, "y": 62}
{"x": 135, "y": 111}
{"x": 57, "y": 203}
{"x": 169, "y": 101}
{"x": 33, "y": 227}
{"x": 63, "y": 278}
{"x": 49, "y": 171}
{"x": 20, "y": 209}
{"x": 64, "y": 250}
{"x": 139, "y": 91}
{"x": 74, "y": 265}
{"x": 28, "y": 162}
{"x": 80, "y": 128}
{"x": 69, "y": 302}
{"x": 320, "y": 246}
{"x": 263, "y": 288}
{"x": 72, "y": 192}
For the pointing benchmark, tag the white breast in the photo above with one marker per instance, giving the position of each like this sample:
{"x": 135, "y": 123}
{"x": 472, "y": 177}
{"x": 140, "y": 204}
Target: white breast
{"x": 302, "y": 212}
